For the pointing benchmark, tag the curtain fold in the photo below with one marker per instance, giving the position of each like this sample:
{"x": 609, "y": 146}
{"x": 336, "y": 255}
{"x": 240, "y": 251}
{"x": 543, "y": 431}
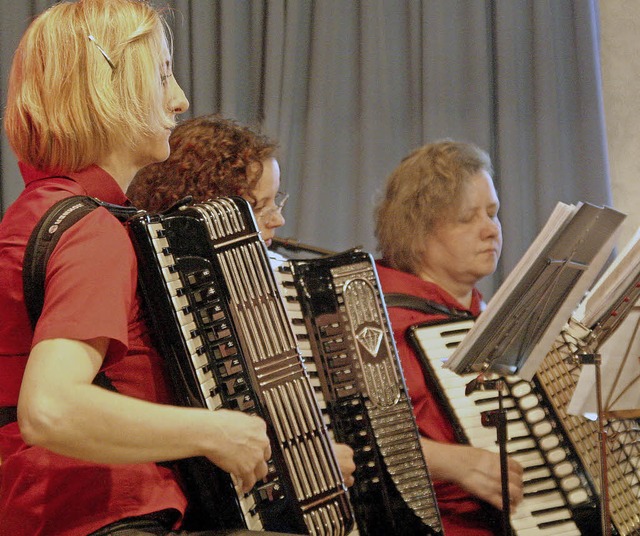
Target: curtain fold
{"x": 349, "y": 88}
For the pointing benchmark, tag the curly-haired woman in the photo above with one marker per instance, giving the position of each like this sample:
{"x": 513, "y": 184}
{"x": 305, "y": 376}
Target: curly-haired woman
{"x": 212, "y": 157}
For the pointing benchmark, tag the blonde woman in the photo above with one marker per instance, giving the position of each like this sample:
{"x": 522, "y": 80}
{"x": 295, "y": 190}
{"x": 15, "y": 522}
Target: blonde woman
{"x": 439, "y": 233}
{"x": 92, "y": 99}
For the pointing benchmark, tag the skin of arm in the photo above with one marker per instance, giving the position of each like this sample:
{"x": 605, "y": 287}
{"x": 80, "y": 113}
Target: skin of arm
{"x": 475, "y": 470}
{"x": 61, "y": 410}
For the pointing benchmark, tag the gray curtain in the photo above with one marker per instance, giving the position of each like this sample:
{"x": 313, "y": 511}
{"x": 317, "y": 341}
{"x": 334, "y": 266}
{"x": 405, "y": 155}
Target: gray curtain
{"x": 350, "y": 87}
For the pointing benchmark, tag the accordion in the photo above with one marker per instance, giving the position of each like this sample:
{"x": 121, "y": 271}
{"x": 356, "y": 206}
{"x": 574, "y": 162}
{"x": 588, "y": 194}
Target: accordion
{"x": 340, "y": 320}
{"x": 221, "y": 325}
{"x": 559, "y": 452}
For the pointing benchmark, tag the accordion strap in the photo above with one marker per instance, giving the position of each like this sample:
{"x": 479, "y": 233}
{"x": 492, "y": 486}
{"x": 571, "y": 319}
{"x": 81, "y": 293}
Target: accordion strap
{"x": 44, "y": 238}
{"x": 407, "y": 301}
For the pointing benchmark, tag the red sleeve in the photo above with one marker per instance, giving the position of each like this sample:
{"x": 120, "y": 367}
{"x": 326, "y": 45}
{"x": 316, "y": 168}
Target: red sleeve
{"x": 431, "y": 420}
{"x": 90, "y": 283}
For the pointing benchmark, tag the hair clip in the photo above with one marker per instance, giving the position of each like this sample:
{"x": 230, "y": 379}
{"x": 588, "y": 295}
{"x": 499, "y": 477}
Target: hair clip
{"x": 106, "y": 56}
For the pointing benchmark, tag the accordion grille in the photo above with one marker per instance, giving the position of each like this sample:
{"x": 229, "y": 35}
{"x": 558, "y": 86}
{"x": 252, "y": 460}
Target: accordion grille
{"x": 558, "y": 377}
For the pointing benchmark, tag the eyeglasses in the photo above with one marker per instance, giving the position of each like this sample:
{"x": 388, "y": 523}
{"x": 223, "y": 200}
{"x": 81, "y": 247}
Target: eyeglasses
{"x": 265, "y": 214}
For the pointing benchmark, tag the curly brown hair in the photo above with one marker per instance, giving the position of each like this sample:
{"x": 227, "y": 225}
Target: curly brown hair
{"x": 211, "y": 156}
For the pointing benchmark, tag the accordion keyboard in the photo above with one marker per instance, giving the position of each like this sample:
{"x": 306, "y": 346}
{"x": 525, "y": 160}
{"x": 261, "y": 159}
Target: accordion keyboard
{"x": 559, "y": 497}
{"x": 222, "y": 325}
{"x": 342, "y": 331}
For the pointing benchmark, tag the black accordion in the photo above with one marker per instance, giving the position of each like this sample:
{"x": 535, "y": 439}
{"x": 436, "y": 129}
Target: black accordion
{"x": 222, "y": 328}
{"x": 340, "y": 320}
{"x": 559, "y": 452}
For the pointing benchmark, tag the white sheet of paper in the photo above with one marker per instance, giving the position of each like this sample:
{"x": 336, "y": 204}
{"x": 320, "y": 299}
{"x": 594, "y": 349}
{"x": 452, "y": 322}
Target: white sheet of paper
{"x": 619, "y": 371}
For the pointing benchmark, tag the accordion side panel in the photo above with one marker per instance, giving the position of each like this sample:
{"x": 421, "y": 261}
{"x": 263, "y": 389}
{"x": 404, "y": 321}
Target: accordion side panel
{"x": 559, "y": 495}
{"x": 223, "y": 330}
{"x": 342, "y": 329}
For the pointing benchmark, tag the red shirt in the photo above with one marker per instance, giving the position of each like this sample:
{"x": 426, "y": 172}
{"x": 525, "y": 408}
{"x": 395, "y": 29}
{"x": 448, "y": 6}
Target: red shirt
{"x": 462, "y": 514}
{"x": 91, "y": 291}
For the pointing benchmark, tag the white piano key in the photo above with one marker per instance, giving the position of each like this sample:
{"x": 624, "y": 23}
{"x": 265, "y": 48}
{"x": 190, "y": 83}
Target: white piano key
{"x": 213, "y": 402}
{"x": 204, "y": 376}
{"x": 194, "y": 344}
{"x": 209, "y": 386}
{"x": 199, "y": 360}
{"x": 305, "y": 346}
{"x": 188, "y": 327}
{"x": 169, "y": 275}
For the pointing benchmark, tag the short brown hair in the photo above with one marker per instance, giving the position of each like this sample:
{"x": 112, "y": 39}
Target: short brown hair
{"x": 424, "y": 190}
{"x": 210, "y": 157}
{"x": 67, "y": 105}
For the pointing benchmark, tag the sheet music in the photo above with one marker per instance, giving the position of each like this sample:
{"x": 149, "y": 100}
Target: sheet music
{"x": 616, "y": 280}
{"x": 530, "y": 308}
{"x": 620, "y": 372}
{"x": 620, "y": 353}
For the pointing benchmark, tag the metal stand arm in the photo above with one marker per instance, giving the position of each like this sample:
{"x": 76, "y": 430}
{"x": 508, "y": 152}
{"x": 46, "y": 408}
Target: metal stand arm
{"x": 605, "y": 518}
{"x": 498, "y": 419}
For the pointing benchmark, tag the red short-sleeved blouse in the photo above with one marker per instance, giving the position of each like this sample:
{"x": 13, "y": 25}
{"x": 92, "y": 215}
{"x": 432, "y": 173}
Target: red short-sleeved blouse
{"x": 90, "y": 292}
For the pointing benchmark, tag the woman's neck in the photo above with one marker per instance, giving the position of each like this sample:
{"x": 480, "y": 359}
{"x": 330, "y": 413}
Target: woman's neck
{"x": 462, "y": 292}
{"x": 121, "y": 166}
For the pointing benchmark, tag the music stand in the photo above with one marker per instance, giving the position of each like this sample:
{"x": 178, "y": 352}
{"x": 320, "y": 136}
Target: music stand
{"x": 618, "y": 396}
{"x": 521, "y": 322}
{"x": 612, "y": 310}
{"x": 620, "y": 369}
{"x": 530, "y": 308}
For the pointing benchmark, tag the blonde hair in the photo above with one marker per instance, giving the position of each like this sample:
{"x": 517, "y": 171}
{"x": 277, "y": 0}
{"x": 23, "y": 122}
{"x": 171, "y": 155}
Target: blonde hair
{"x": 422, "y": 192}
{"x": 72, "y": 99}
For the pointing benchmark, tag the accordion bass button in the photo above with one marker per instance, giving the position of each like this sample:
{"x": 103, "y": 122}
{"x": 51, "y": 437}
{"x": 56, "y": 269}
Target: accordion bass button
{"x": 269, "y": 492}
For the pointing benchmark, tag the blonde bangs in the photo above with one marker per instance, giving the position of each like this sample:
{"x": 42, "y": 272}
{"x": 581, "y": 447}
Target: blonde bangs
{"x": 67, "y": 107}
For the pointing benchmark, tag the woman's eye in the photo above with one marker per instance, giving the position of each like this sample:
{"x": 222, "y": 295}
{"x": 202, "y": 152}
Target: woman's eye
{"x": 164, "y": 78}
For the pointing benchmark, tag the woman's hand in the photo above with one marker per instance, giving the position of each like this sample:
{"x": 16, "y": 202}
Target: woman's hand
{"x": 344, "y": 456}
{"x": 242, "y": 448}
{"x": 475, "y": 470}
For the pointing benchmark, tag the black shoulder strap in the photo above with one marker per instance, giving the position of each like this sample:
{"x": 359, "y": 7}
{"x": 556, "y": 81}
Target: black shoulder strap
{"x": 407, "y": 301}
{"x": 44, "y": 237}
{"x": 46, "y": 234}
